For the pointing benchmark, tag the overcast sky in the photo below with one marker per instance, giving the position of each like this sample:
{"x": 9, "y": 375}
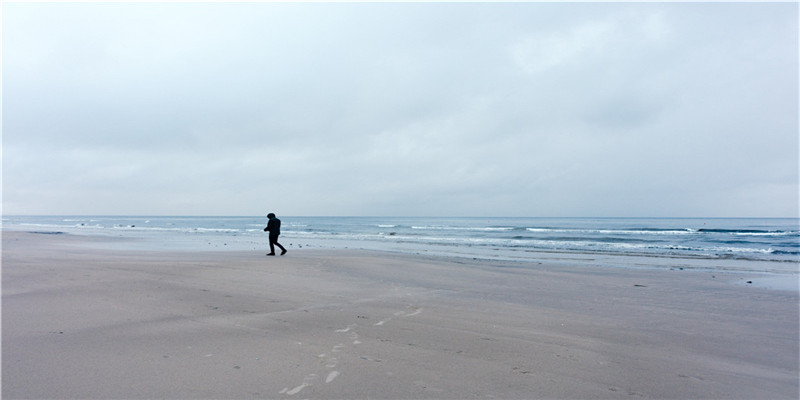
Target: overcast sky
{"x": 418, "y": 109}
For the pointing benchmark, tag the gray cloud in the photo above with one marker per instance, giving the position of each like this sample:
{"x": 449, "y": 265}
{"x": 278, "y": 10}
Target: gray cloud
{"x": 565, "y": 109}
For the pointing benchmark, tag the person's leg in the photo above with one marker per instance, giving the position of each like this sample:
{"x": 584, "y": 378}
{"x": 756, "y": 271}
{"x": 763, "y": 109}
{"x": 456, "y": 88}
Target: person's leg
{"x": 283, "y": 250}
{"x": 272, "y": 241}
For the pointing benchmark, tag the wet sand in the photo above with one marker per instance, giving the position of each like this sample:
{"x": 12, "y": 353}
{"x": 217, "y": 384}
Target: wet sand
{"x": 83, "y": 322}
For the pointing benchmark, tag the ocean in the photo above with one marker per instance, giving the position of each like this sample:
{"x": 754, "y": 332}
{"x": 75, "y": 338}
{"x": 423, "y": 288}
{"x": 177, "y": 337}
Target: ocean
{"x": 746, "y": 244}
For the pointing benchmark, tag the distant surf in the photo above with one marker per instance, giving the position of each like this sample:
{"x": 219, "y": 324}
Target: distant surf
{"x": 773, "y": 240}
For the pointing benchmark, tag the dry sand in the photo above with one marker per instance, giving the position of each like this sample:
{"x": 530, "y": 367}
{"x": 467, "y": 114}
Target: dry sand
{"x": 81, "y": 322}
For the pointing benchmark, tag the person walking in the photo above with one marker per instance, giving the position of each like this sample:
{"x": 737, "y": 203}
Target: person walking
{"x": 274, "y": 228}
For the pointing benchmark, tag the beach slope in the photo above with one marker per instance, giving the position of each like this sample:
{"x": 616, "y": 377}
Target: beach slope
{"x": 80, "y": 321}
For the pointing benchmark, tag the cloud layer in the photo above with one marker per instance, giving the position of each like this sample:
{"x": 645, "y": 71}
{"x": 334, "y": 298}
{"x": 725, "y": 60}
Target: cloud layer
{"x": 531, "y": 109}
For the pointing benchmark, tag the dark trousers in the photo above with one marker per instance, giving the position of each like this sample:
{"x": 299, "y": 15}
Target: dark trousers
{"x": 273, "y": 241}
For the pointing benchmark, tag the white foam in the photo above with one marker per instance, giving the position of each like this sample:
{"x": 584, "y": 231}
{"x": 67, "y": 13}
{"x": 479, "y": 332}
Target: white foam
{"x": 462, "y": 228}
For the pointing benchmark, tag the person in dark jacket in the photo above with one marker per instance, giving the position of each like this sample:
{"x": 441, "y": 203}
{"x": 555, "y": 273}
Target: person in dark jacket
{"x": 274, "y": 228}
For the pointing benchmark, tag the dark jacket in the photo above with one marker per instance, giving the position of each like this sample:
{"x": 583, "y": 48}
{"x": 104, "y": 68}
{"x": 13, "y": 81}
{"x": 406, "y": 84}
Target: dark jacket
{"x": 274, "y": 227}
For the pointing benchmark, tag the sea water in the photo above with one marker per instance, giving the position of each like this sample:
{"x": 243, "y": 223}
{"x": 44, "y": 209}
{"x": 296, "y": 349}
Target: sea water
{"x": 749, "y": 244}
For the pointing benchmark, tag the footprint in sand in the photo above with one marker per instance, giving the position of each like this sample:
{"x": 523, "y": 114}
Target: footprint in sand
{"x": 402, "y": 314}
{"x": 346, "y": 329}
{"x": 331, "y": 376}
{"x": 416, "y": 311}
{"x": 306, "y": 383}
{"x": 295, "y": 390}
{"x": 331, "y": 362}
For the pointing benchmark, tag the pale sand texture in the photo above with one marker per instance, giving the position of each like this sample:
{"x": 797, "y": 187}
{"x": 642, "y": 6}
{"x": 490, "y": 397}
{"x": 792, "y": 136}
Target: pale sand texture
{"x": 88, "y": 323}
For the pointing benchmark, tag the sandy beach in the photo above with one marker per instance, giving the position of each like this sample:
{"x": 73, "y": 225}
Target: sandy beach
{"x": 80, "y": 321}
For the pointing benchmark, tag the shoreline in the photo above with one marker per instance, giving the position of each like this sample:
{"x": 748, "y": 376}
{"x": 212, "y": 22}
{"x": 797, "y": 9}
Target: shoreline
{"x": 764, "y": 244}
{"x": 786, "y": 276}
{"x": 87, "y": 322}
